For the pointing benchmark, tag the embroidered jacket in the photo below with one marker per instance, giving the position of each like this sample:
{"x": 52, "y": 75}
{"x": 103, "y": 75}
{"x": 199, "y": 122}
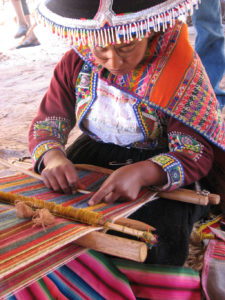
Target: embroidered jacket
{"x": 189, "y": 155}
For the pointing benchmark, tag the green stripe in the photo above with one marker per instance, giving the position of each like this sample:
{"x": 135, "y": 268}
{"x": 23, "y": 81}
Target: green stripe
{"x": 109, "y": 265}
{"x": 169, "y": 270}
{"x": 45, "y": 289}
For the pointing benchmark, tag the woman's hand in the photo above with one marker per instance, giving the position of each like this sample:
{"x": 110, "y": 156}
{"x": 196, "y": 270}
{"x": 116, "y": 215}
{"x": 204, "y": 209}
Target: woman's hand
{"x": 59, "y": 173}
{"x": 125, "y": 183}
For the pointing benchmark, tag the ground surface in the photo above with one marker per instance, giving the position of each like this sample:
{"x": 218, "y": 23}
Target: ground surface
{"x": 25, "y": 76}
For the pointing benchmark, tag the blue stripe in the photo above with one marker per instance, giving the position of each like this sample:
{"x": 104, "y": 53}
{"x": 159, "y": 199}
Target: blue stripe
{"x": 76, "y": 281}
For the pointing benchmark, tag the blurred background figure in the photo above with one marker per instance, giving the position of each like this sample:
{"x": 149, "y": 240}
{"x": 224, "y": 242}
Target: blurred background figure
{"x": 25, "y": 27}
{"x": 222, "y": 2}
{"x": 209, "y": 43}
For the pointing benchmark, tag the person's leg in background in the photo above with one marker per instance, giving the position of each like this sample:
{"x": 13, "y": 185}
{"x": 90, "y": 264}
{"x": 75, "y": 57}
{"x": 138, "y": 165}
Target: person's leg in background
{"x": 222, "y": 2}
{"x": 23, "y": 26}
{"x": 31, "y": 39}
{"x": 26, "y": 12}
{"x": 209, "y": 43}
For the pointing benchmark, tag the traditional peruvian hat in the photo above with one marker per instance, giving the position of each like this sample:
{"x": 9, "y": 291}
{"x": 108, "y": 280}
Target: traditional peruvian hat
{"x": 103, "y": 22}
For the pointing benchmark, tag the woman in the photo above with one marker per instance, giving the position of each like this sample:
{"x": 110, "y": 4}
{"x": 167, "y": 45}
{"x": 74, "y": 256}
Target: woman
{"x": 140, "y": 95}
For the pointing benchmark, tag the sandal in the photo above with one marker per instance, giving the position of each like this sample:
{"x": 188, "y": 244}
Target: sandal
{"x": 22, "y": 30}
{"x": 31, "y": 43}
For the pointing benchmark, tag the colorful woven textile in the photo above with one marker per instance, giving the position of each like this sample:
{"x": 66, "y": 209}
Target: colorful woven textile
{"x": 213, "y": 272}
{"x": 94, "y": 276}
{"x": 28, "y": 274}
{"x": 24, "y": 248}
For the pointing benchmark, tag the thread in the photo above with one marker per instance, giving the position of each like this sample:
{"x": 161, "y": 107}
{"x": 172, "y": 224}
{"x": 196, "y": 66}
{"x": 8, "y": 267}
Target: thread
{"x": 81, "y": 215}
{"x": 75, "y": 214}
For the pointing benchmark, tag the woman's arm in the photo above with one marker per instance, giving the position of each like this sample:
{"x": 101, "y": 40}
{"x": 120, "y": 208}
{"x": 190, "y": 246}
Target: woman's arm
{"x": 50, "y": 128}
{"x": 56, "y": 115}
{"x": 189, "y": 159}
{"x": 125, "y": 183}
{"x": 190, "y": 155}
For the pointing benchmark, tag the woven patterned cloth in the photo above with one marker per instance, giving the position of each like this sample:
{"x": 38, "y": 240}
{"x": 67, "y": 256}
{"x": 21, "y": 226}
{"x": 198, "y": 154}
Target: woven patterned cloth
{"x": 24, "y": 248}
{"x": 94, "y": 276}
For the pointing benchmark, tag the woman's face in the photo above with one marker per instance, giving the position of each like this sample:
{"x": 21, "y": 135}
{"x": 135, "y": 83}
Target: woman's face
{"x": 122, "y": 58}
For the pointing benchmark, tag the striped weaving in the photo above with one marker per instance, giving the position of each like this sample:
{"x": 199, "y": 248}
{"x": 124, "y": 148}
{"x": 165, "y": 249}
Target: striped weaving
{"x": 24, "y": 248}
{"x": 94, "y": 276}
{"x": 28, "y": 274}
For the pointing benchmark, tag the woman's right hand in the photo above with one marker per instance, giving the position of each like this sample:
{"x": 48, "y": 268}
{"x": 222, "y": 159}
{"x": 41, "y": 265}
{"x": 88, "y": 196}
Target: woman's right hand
{"x": 59, "y": 173}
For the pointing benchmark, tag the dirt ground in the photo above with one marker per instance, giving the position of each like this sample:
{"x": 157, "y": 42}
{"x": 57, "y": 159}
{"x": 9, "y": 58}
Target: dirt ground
{"x": 25, "y": 76}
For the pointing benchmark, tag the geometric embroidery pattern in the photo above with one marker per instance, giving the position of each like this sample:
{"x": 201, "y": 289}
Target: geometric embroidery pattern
{"x": 85, "y": 90}
{"x": 184, "y": 143}
{"x": 173, "y": 168}
{"x": 43, "y": 148}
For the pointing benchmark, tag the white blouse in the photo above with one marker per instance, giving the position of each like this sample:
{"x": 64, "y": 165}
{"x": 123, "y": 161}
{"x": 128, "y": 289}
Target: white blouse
{"x": 112, "y": 117}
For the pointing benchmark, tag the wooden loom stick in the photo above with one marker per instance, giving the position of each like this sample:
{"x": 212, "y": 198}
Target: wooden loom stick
{"x": 186, "y": 196}
{"x": 109, "y": 244}
{"x": 114, "y": 245}
{"x": 191, "y": 196}
{"x": 135, "y": 224}
{"x": 183, "y": 195}
{"x": 214, "y": 199}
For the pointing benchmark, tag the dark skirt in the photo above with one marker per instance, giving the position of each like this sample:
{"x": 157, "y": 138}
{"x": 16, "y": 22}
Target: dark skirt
{"x": 173, "y": 220}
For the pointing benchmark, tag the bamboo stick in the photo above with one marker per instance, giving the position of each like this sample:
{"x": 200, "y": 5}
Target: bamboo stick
{"x": 114, "y": 245}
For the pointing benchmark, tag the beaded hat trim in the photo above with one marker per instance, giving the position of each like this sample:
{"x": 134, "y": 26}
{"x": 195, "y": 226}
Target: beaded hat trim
{"x": 107, "y": 27}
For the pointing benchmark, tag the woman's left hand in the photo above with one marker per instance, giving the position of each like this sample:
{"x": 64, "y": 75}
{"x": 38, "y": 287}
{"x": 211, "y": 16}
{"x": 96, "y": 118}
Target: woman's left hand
{"x": 125, "y": 183}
